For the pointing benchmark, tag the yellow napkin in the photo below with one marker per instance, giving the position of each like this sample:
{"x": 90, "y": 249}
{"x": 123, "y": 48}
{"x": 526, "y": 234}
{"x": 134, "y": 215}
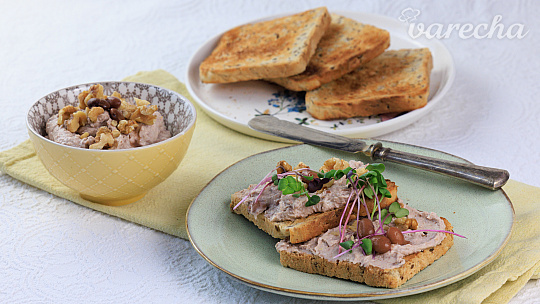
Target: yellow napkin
{"x": 215, "y": 147}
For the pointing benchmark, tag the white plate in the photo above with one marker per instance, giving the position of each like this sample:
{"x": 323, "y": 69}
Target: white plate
{"x": 235, "y": 104}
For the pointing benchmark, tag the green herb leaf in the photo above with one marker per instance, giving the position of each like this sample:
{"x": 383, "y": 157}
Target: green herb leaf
{"x": 388, "y": 219}
{"x": 367, "y": 245}
{"x": 289, "y": 185}
{"x": 368, "y": 192}
{"x": 330, "y": 174}
{"x": 376, "y": 167}
{"x": 347, "y": 245}
{"x": 401, "y": 213}
{"x": 394, "y": 207}
{"x": 313, "y": 200}
{"x": 385, "y": 192}
{"x": 308, "y": 177}
{"x": 339, "y": 174}
{"x": 275, "y": 179}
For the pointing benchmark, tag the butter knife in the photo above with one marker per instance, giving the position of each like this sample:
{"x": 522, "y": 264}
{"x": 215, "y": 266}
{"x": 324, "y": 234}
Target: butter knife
{"x": 490, "y": 178}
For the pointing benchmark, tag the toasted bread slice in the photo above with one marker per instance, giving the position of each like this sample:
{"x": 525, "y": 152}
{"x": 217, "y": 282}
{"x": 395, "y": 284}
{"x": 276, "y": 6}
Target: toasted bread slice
{"x": 395, "y": 81}
{"x": 277, "y": 48}
{"x": 346, "y": 45}
{"x": 303, "y": 229}
{"x": 370, "y": 275}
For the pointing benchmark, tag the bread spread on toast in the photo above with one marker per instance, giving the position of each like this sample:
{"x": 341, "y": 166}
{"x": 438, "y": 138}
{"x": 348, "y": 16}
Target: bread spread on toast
{"x": 327, "y": 245}
{"x": 290, "y": 216}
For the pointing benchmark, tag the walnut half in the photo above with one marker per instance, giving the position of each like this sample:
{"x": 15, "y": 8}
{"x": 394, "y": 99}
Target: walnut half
{"x": 78, "y": 119}
{"x": 104, "y": 138}
{"x": 334, "y": 163}
{"x": 65, "y": 113}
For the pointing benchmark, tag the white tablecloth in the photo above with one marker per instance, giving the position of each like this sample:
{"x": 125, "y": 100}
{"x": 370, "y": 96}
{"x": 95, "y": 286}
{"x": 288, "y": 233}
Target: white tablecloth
{"x": 52, "y": 250}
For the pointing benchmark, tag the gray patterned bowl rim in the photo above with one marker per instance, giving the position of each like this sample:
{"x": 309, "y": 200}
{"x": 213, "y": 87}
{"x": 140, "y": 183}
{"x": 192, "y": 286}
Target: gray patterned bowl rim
{"x": 72, "y": 87}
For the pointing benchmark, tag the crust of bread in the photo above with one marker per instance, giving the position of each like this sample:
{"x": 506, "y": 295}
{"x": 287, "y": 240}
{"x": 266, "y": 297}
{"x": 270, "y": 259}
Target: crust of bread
{"x": 395, "y": 81}
{"x": 345, "y": 46}
{"x": 276, "y": 48}
{"x": 372, "y": 276}
{"x": 303, "y": 229}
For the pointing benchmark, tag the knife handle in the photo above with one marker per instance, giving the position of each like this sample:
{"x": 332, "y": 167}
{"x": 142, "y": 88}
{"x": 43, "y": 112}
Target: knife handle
{"x": 491, "y": 178}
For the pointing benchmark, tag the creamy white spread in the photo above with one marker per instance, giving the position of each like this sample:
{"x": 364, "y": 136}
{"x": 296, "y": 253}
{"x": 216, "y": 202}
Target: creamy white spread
{"x": 327, "y": 244}
{"x": 278, "y": 207}
{"x": 145, "y": 135}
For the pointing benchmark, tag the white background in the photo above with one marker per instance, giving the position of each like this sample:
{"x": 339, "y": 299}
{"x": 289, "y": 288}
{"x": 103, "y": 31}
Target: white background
{"x": 52, "y": 250}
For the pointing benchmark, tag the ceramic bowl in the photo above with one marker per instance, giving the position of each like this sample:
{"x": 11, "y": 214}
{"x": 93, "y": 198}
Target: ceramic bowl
{"x": 114, "y": 177}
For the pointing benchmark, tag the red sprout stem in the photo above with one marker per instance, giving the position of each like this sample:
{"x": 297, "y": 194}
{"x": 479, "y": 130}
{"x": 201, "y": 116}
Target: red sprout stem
{"x": 348, "y": 217}
{"x": 433, "y": 230}
{"x": 264, "y": 180}
{"x": 381, "y": 228}
{"x": 378, "y": 205}
{"x": 343, "y": 214}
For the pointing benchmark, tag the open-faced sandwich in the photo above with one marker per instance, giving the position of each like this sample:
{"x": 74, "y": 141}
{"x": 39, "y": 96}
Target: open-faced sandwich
{"x": 344, "y": 220}
{"x": 301, "y": 217}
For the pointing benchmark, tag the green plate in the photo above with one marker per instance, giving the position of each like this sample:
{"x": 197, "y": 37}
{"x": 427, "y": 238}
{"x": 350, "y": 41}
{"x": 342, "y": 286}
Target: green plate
{"x": 237, "y": 247}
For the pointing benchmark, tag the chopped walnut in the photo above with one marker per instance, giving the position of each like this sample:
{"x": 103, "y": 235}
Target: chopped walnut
{"x": 104, "y": 138}
{"x": 118, "y": 95}
{"x": 127, "y": 126}
{"x": 95, "y": 91}
{"x": 334, "y": 163}
{"x": 84, "y": 135}
{"x": 283, "y": 166}
{"x": 141, "y": 102}
{"x": 82, "y": 97}
{"x": 405, "y": 223}
{"x": 301, "y": 165}
{"x": 65, "y": 113}
{"x": 126, "y": 109}
{"x": 94, "y": 112}
{"x": 144, "y": 114}
{"x": 78, "y": 119}
{"x": 115, "y": 133}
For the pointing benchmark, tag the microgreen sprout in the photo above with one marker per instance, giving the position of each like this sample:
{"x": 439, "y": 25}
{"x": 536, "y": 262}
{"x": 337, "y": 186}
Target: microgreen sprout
{"x": 367, "y": 245}
{"x": 394, "y": 211}
{"x": 347, "y": 244}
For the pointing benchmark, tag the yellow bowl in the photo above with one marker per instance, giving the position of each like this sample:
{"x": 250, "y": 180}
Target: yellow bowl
{"x": 114, "y": 177}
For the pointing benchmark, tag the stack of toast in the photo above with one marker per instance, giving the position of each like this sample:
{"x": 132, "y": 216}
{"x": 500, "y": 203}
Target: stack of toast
{"x": 341, "y": 63}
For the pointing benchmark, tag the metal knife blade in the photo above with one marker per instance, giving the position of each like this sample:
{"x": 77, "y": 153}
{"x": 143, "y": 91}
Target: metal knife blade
{"x": 491, "y": 178}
